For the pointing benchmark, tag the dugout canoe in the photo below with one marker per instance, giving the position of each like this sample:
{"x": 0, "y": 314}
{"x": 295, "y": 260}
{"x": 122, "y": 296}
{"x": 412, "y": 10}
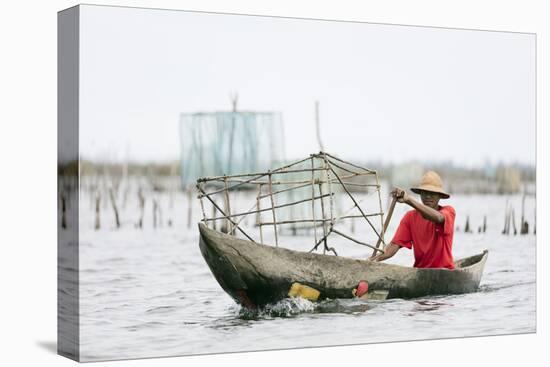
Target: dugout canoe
{"x": 255, "y": 275}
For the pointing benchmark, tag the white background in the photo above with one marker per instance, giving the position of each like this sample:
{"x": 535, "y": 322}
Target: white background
{"x": 28, "y": 150}
{"x": 370, "y": 79}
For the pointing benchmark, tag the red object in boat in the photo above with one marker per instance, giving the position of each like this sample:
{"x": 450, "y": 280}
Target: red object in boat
{"x": 362, "y": 288}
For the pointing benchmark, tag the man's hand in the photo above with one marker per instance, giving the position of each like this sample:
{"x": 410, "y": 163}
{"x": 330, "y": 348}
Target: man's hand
{"x": 389, "y": 251}
{"x": 375, "y": 257}
{"x": 400, "y": 194}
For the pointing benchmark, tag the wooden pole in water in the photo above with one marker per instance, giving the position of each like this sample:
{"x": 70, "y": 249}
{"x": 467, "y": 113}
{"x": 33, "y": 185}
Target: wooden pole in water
{"x": 114, "y": 206}
{"x": 159, "y": 210}
{"x": 125, "y": 195}
{"x": 63, "y": 212}
{"x": 97, "y": 210}
{"x": 155, "y": 206}
{"x": 104, "y": 186}
{"x": 522, "y": 211}
{"x": 510, "y": 220}
{"x": 513, "y": 214}
{"x": 141, "y": 200}
{"x": 508, "y": 217}
{"x": 524, "y": 229}
{"x": 91, "y": 191}
{"x": 505, "y": 218}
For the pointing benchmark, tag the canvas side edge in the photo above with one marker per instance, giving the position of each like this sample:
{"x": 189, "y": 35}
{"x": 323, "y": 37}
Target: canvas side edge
{"x": 68, "y": 305}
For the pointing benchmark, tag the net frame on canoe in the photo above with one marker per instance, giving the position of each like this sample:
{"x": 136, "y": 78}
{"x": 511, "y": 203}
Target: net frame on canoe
{"x": 326, "y": 174}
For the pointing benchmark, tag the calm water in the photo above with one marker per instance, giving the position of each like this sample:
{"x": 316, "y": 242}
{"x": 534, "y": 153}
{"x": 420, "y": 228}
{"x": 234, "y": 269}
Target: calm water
{"x": 147, "y": 293}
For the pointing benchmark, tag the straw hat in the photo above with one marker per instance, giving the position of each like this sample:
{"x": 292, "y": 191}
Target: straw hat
{"x": 431, "y": 182}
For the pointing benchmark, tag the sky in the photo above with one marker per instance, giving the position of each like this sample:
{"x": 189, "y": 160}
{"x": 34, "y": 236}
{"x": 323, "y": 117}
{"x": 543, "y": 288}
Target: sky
{"x": 386, "y": 93}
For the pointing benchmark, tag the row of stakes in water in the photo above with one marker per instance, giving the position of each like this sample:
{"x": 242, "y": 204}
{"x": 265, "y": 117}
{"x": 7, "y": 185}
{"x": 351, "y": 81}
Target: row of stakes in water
{"x": 509, "y": 222}
{"x": 509, "y": 225}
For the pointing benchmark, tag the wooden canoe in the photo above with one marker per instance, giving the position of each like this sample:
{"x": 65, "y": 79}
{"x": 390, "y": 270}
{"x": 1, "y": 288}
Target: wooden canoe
{"x": 255, "y": 275}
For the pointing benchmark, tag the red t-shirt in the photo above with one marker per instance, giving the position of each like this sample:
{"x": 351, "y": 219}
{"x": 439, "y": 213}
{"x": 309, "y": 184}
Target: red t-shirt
{"x": 432, "y": 243}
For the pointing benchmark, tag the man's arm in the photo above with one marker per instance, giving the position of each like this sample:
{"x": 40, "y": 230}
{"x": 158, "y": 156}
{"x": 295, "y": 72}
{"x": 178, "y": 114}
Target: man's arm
{"x": 426, "y": 212}
{"x": 389, "y": 251}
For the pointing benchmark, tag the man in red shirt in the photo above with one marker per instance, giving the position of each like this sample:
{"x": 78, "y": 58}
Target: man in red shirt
{"x": 428, "y": 229}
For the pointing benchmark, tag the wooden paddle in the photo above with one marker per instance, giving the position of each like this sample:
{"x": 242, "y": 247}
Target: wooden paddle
{"x": 386, "y": 223}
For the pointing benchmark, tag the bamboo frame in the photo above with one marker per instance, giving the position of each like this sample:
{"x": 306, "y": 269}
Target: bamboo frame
{"x": 358, "y": 207}
{"x": 313, "y": 201}
{"x": 314, "y": 220}
{"x": 355, "y": 240}
{"x": 259, "y": 214}
{"x": 260, "y": 174}
{"x": 268, "y": 209}
{"x": 332, "y": 173}
{"x": 273, "y": 212}
{"x": 227, "y": 203}
{"x": 348, "y": 163}
{"x": 331, "y": 202}
{"x": 221, "y": 211}
{"x": 325, "y": 232}
{"x": 382, "y": 226}
{"x": 202, "y": 206}
{"x": 284, "y": 190}
{"x": 253, "y": 182}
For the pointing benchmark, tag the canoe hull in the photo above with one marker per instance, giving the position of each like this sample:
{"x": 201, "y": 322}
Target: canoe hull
{"x": 255, "y": 275}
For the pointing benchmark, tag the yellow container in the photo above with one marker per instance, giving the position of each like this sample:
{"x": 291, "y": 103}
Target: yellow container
{"x": 304, "y": 291}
